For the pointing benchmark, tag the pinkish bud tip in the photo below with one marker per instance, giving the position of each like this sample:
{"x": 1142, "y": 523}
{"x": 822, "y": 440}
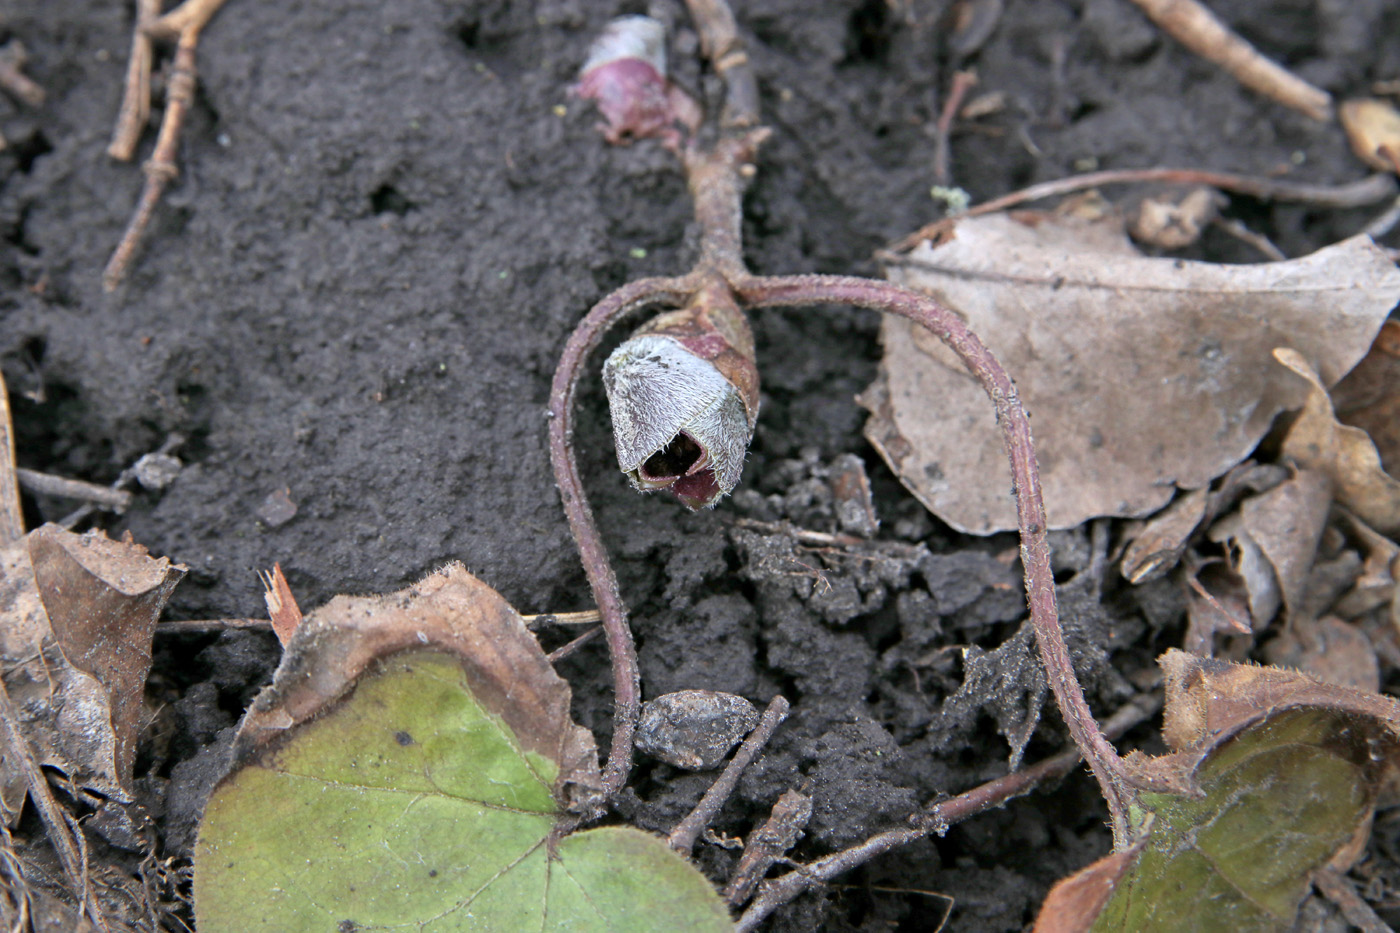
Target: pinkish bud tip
{"x": 625, "y": 75}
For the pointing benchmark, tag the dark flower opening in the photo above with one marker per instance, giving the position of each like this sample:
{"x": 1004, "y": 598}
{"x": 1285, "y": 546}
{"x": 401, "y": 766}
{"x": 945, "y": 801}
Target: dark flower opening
{"x": 673, "y": 461}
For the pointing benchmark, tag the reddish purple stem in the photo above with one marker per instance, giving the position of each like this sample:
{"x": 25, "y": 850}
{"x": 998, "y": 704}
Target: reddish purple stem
{"x": 784, "y": 291}
{"x": 602, "y": 580}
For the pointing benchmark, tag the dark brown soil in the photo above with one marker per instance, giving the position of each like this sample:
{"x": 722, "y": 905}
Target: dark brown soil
{"x": 390, "y": 216}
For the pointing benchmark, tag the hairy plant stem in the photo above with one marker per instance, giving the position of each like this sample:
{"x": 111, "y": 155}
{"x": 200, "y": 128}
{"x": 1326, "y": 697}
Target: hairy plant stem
{"x": 593, "y": 553}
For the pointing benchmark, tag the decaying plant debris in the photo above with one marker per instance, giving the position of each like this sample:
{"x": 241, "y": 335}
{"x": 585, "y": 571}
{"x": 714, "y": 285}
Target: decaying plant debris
{"x": 380, "y": 419}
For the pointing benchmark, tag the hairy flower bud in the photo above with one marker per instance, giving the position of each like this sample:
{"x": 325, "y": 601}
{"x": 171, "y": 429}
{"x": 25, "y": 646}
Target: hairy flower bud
{"x": 625, "y": 75}
{"x": 683, "y": 392}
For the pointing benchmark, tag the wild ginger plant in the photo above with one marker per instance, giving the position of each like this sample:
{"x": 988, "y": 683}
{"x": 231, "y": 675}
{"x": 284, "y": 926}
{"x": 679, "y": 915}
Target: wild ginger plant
{"x": 683, "y": 390}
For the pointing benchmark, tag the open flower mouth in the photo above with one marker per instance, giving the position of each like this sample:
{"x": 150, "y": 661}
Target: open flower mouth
{"x": 683, "y": 466}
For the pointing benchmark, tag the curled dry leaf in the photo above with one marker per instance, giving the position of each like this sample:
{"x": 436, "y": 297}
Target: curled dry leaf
{"x": 1369, "y": 397}
{"x": 1373, "y": 129}
{"x": 1158, "y": 545}
{"x": 79, "y": 613}
{"x": 1375, "y": 586}
{"x": 421, "y": 746}
{"x": 1286, "y": 522}
{"x": 1141, "y": 374}
{"x": 1255, "y": 743}
{"x": 1318, "y": 441}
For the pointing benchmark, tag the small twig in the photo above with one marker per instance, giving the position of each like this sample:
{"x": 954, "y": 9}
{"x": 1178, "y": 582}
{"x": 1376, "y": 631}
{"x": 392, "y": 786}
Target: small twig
{"x": 11, "y": 512}
{"x": 719, "y": 39}
{"x": 1368, "y": 190}
{"x": 1384, "y": 223}
{"x": 1195, "y": 27}
{"x": 586, "y": 617}
{"x": 1337, "y": 888}
{"x": 185, "y": 23}
{"x": 136, "y": 97}
{"x": 559, "y": 654}
{"x": 161, "y": 168}
{"x": 963, "y": 81}
{"x": 13, "y": 80}
{"x": 190, "y": 16}
{"x": 936, "y": 819}
{"x": 683, "y": 837}
{"x": 115, "y": 500}
{"x": 1239, "y": 231}
{"x": 767, "y": 844}
{"x": 206, "y": 626}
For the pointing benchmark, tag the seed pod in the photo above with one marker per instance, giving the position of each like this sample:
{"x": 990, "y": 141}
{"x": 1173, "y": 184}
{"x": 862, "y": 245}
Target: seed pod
{"x": 683, "y": 391}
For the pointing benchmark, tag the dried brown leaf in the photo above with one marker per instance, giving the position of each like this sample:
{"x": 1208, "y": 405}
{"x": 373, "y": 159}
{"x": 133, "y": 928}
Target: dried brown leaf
{"x": 452, "y": 611}
{"x": 79, "y": 614}
{"x": 1375, "y": 586}
{"x": 1247, "y": 560}
{"x": 1369, "y": 397}
{"x": 1373, "y": 129}
{"x": 282, "y": 606}
{"x": 1160, "y": 544}
{"x": 1333, "y": 651}
{"x": 1287, "y": 523}
{"x": 1141, "y": 374}
{"x": 1318, "y": 441}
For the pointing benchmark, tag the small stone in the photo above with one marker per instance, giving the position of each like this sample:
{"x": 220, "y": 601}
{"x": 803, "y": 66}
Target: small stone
{"x": 156, "y": 471}
{"x": 277, "y": 509}
{"x": 694, "y": 729}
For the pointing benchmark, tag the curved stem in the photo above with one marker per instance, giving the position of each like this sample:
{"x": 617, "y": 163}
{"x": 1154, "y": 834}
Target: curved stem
{"x": 602, "y": 580}
{"x": 1030, "y": 507}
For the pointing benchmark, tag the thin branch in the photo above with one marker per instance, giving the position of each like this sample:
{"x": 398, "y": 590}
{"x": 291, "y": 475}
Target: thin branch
{"x": 683, "y": 837}
{"x": 562, "y": 652}
{"x": 1030, "y": 507}
{"x": 601, "y": 579}
{"x": 11, "y": 513}
{"x": 936, "y": 819}
{"x": 184, "y": 23}
{"x": 117, "y": 500}
{"x": 161, "y": 168}
{"x": 583, "y": 617}
{"x": 12, "y": 77}
{"x": 136, "y": 98}
{"x": 1367, "y": 191}
{"x": 1197, "y": 28}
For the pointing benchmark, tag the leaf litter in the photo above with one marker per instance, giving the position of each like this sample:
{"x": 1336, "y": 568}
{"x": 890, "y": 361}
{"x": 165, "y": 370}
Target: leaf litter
{"x": 1143, "y": 375}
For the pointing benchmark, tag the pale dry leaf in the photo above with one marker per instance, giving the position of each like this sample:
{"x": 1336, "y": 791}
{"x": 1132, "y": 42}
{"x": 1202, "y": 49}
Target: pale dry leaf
{"x": 1369, "y": 396}
{"x": 1373, "y": 129}
{"x": 1317, "y": 440}
{"x": 1287, "y": 523}
{"x": 1247, "y": 559}
{"x": 1158, "y": 547}
{"x": 1141, "y": 375}
{"x": 1375, "y": 586}
{"x": 79, "y": 615}
{"x": 1333, "y": 651}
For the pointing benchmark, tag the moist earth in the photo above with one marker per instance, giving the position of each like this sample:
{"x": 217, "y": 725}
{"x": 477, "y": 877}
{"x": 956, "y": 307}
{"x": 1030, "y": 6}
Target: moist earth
{"x": 346, "y": 313}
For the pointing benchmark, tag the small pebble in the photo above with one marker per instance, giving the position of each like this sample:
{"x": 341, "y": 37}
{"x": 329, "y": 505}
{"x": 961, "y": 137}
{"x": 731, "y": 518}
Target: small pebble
{"x": 694, "y": 729}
